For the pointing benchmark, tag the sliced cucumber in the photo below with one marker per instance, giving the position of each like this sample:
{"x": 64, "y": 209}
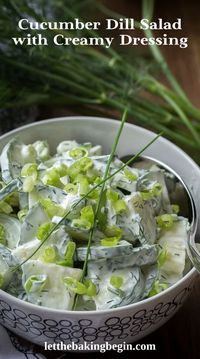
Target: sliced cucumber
{"x": 95, "y": 151}
{"x": 65, "y": 146}
{"x": 35, "y": 217}
{"x": 132, "y": 230}
{"x": 24, "y": 251}
{"x": 13, "y": 186}
{"x": 55, "y": 293}
{"x": 6, "y": 262}
{"x": 78, "y": 233}
{"x": 161, "y": 203}
{"x": 97, "y": 251}
{"x": 109, "y": 296}
{"x": 12, "y": 228}
{"x": 174, "y": 241}
{"x": 147, "y": 224}
{"x": 121, "y": 181}
{"x": 56, "y": 195}
{"x": 151, "y": 274}
{"x": 140, "y": 256}
{"x": 13, "y": 157}
{"x": 58, "y": 240}
{"x": 42, "y": 149}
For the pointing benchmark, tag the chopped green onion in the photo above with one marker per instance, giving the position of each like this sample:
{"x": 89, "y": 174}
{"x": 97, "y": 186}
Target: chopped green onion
{"x": 98, "y": 180}
{"x": 113, "y": 231}
{"x": 62, "y": 170}
{"x": 155, "y": 191}
{"x": 52, "y": 178}
{"x": 165, "y": 221}
{"x": 69, "y": 254}
{"x": 81, "y": 223}
{"x": 110, "y": 241}
{"x": 42, "y": 149}
{"x": 51, "y": 208}
{"x": 85, "y": 164}
{"x": 5, "y": 207}
{"x": 2, "y": 235}
{"x": 22, "y": 214}
{"x": 93, "y": 175}
{"x": 49, "y": 255}
{"x": 13, "y": 199}
{"x": 162, "y": 257}
{"x": 146, "y": 195}
{"x": 91, "y": 289}
{"x": 94, "y": 194}
{"x": 120, "y": 206}
{"x": 83, "y": 185}
{"x": 44, "y": 230}
{"x": 87, "y": 213}
{"x": 28, "y": 153}
{"x": 63, "y": 263}
{"x": 157, "y": 288}
{"x": 78, "y": 152}
{"x": 29, "y": 169}
{"x": 86, "y": 220}
{"x": 1, "y": 280}
{"x": 112, "y": 195}
{"x": 79, "y": 167}
{"x": 74, "y": 170}
{"x": 71, "y": 188}
{"x": 175, "y": 208}
{"x": 130, "y": 176}
{"x": 75, "y": 286}
{"x": 35, "y": 283}
{"x": 116, "y": 281}
{"x": 101, "y": 215}
{"x": 29, "y": 183}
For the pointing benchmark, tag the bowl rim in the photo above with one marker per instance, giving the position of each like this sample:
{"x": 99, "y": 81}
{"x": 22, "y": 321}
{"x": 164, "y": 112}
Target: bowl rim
{"x": 143, "y": 302}
{"x": 102, "y": 119}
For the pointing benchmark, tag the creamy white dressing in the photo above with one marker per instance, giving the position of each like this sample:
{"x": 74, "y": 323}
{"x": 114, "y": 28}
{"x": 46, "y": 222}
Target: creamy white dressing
{"x": 126, "y": 243}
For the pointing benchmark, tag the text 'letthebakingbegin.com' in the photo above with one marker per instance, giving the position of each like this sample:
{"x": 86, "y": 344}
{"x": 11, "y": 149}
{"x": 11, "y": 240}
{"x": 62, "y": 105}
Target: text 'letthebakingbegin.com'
{"x": 102, "y": 348}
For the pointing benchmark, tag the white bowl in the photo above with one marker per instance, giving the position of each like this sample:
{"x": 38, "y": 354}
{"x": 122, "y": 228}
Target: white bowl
{"x": 129, "y": 323}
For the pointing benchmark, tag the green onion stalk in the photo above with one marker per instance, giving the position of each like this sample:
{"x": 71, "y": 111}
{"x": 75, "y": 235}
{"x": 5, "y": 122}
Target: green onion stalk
{"x": 94, "y": 78}
{"x": 101, "y": 195}
{"x": 151, "y": 84}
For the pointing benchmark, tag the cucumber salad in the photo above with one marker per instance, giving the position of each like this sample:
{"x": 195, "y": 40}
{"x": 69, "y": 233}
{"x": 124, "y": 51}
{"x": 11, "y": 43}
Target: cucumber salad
{"x": 138, "y": 247}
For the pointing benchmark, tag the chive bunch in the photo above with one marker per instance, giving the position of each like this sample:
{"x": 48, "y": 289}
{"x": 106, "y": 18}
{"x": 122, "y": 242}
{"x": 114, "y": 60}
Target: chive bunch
{"x": 91, "y": 77}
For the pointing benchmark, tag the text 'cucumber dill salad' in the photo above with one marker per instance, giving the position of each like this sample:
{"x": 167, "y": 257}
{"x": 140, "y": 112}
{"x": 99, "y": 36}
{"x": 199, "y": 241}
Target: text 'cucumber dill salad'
{"x": 138, "y": 247}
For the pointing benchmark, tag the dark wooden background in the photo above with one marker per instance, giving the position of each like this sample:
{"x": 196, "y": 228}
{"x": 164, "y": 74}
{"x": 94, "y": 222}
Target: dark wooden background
{"x": 181, "y": 335}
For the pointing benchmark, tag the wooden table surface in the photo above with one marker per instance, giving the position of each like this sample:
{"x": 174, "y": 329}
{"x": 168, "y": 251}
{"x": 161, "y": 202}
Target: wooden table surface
{"x": 181, "y": 335}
